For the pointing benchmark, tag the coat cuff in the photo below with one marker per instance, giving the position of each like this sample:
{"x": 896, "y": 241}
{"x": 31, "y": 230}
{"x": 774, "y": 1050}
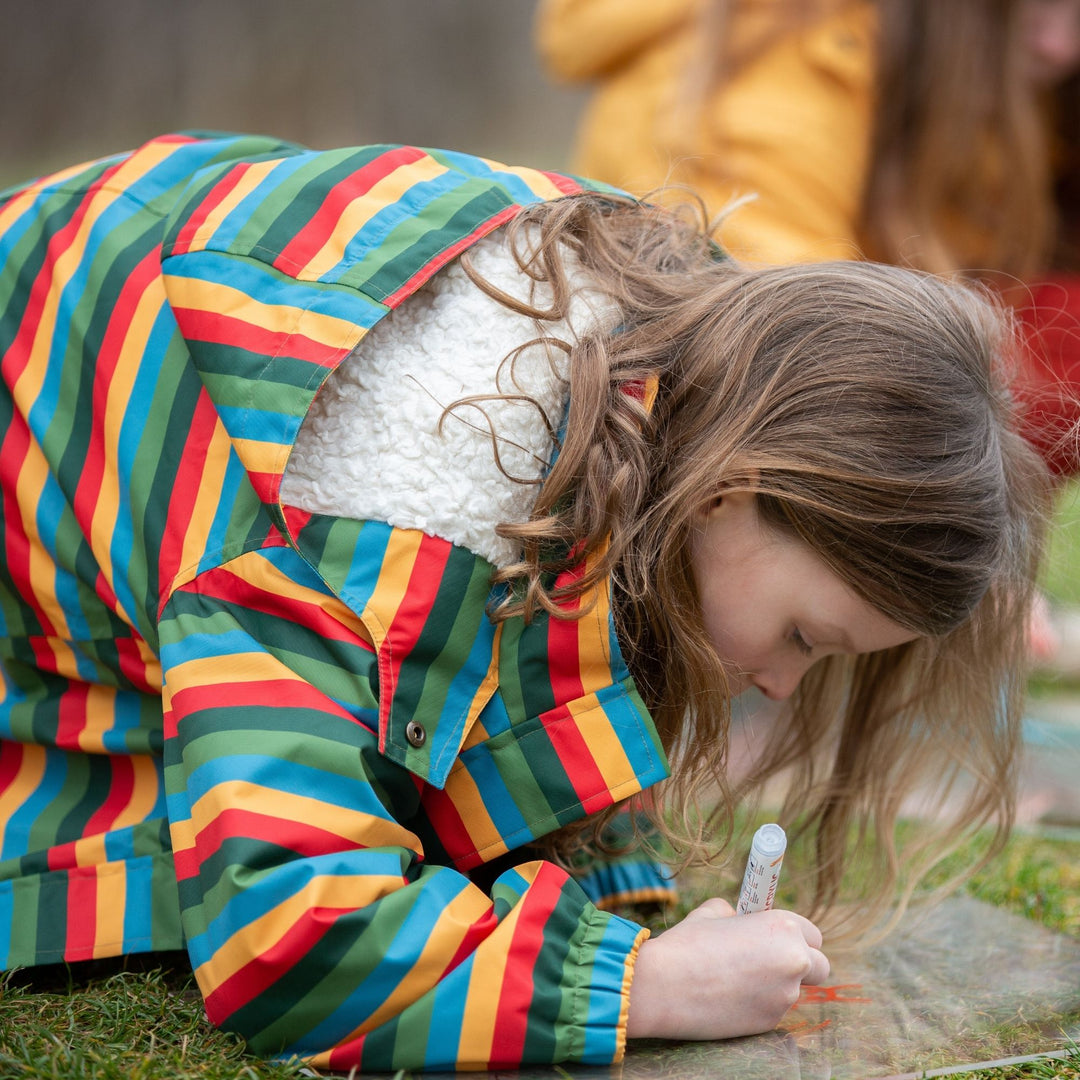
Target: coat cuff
{"x": 627, "y": 880}
{"x": 602, "y": 1003}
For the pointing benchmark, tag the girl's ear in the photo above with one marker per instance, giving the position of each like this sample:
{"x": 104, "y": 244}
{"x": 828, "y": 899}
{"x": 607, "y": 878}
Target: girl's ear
{"x": 706, "y": 509}
{"x": 739, "y": 493}
{"x": 726, "y": 503}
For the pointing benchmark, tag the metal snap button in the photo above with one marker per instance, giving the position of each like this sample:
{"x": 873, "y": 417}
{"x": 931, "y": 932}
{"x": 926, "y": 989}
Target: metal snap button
{"x": 415, "y": 733}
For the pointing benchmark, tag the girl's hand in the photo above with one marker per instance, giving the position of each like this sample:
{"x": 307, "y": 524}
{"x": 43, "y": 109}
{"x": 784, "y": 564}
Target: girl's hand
{"x": 715, "y": 975}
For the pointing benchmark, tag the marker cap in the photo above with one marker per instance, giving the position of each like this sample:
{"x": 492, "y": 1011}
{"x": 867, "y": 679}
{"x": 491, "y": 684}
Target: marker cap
{"x": 770, "y": 841}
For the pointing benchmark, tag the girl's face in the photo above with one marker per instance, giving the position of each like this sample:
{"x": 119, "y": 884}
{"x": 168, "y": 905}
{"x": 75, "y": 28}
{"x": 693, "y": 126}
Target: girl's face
{"x": 772, "y": 607}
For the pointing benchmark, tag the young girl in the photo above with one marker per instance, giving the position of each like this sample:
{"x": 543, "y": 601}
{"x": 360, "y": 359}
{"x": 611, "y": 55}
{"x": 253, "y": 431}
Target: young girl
{"x": 377, "y": 521}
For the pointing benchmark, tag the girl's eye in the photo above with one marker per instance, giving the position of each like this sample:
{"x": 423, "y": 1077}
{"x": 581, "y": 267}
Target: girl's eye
{"x": 801, "y": 643}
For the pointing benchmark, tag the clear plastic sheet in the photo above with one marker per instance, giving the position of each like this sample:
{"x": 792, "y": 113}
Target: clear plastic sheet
{"x": 960, "y": 984}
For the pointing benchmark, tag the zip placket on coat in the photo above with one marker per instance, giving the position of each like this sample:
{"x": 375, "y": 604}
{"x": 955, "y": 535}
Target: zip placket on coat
{"x": 279, "y": 739}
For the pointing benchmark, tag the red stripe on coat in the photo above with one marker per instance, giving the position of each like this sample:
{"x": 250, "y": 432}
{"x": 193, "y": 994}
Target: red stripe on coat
{"x": 564, "y": 644}
{"x": 262, "y": 971}
{"x": 577, "y": 758}
{"x": 479, "y": 931}
{"x": 425, "y": 579}
{"x": 263, "y": 693}
{"x": 11, "y": 759}
{"x": 211, "y": 201}
{"x": 566, "y": 184}
{"x": 216, "y": 328}
{"x": 71, "y": 715}
{"x": 186, "y": 485}
{"x": 82, "y": 897}
{"x": 296, "y": 520}
{"x": 453, "y": 834}
{"x": 14, "y": 450}
{"x": 44, "y": 658}
{"x": 118, "y": 800}
{"x": 347, "y": 1055}
{"x": 133, "y": 666}
{"x": 308, "y": 841}
{"x": 516, "y": 995}
{"x": 224, "y": 585}
{"x": 314, "y": 235}
{"x": 447, "y": 254}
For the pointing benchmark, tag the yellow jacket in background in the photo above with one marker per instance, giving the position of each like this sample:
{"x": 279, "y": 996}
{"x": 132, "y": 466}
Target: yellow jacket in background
{"x": 791, "y": 127}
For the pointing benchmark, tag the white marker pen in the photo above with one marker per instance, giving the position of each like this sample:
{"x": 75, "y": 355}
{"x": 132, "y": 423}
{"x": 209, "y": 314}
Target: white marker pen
{"x": 762, "y": 870}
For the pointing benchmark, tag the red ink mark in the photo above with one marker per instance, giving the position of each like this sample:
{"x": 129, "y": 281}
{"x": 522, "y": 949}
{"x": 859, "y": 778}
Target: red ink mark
{"x": 819, "y": 995}
{"x": 804, "y": 1027}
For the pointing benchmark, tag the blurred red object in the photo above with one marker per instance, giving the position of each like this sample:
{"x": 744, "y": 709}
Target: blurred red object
{"x": 1048, "y": 386}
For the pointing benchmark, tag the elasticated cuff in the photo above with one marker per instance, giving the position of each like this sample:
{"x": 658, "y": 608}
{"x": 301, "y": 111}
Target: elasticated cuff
{"x": 609, "y": 948}
{"x": 628, "y": 881}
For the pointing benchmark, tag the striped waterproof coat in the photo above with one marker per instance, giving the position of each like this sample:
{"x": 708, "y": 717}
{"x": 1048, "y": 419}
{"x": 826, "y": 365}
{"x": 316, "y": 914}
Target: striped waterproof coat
{"x": 281, "y": 740}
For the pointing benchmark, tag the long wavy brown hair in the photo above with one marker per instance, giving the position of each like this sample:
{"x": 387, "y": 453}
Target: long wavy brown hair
{"x": 970, "y": 168}
{"x": 864, "y": 405}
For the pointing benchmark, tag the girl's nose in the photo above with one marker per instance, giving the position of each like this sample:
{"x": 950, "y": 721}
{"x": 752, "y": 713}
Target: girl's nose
{"x": 780, "y": 683}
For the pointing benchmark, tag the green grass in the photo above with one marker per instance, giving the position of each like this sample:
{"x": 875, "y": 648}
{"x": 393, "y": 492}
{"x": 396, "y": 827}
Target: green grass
{"x": 1061, "y": 578}
{"x": 128, "y": 1025}
{"x": 1038, "y": 877}
{"x": 1066, "y": 1067}
{"x": 1045, "y": 1069}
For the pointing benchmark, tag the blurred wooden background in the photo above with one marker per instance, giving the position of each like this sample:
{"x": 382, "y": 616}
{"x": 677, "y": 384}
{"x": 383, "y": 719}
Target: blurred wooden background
{"x": 83, "y": 78}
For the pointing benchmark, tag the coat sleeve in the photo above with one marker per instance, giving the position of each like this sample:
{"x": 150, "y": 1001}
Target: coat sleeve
{"x": 315, "y": 925}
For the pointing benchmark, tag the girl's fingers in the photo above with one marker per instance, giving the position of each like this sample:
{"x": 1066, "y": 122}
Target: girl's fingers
{"x": 809, "y": 931}
{"x": 819, "y": 968}
{"x": 716, "y": 908}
